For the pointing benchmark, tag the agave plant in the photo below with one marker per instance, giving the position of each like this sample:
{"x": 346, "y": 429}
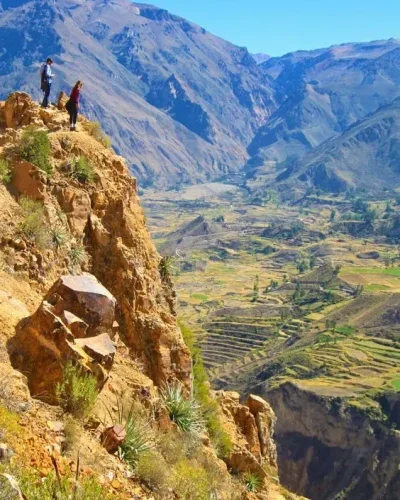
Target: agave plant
{"x": 252, "y": 481}
{"x": 138, "y": 436}
{"x": 166, "y": 267}
{"x": 185, "y": 412}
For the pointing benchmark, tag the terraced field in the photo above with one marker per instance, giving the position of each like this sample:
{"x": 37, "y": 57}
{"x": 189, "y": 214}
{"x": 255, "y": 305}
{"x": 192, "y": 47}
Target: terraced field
{"x": 260, "y": 312}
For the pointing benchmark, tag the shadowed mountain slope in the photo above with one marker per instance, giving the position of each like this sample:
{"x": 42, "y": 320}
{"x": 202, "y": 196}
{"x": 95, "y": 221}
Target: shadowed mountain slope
{"x": 179, "y": 103}
{"x": 322, "y": 92}
{"x": 366, "y": 156}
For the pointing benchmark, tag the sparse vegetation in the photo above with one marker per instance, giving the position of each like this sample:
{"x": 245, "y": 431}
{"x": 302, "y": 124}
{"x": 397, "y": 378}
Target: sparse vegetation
{"x": 190, "y": 481}
{"x": 35, "y": 148}
{"x": 5, "y": 172}
{"x": 77, "y": 392}
{"x": 34, "y": 225}
{"x": 138, "y": 438}
{"x": 184, "y": 411}
{"x": 94, "y": 129}
{"x": 34, "y": 487}
{"x": 77, "y": 255}
{"x": 82, "y": 170}
{"x": 209, "y": 407}
{"x": 252, "y": 481}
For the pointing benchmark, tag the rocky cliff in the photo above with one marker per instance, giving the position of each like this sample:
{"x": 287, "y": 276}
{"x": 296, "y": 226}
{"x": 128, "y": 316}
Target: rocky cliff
{"x": 329, "y": 449}
{"x": 82, "y": 286}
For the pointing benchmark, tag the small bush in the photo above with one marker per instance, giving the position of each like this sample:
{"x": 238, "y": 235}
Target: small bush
{"x": 185, "y": 412}
{"x": 175, "y": 446}
{"x": 72, "y": 435}
{"x": 77, "y": 393}
{"x": 190, "y": 481}
{"x": 35, "y": 148}
{"x": 9, "y": 426}
{"x": 34, "y": 224}
{"x": 5, "y": 172}
{"x": 94, "y": 129}
{"x": 252, "y": 481}
{"x": 153, "y": 470}
{"x": 83, "y": 170}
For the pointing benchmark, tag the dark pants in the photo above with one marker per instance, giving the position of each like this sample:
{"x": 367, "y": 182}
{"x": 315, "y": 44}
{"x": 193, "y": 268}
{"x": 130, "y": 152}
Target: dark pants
{"x": 73, "y": 113}
{"x": 46, "y": 90}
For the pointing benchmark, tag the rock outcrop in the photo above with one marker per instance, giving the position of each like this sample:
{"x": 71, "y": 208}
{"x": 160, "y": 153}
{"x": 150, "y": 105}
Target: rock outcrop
{"x": 330, "y": 449}
{"x": 251, "y": 428}
{"x": 74, "y": 322}
{"x": 108, "y": 217}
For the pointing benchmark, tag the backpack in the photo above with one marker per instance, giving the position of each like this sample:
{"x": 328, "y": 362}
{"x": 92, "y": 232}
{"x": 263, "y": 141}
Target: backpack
{"x": 43, "y": 79}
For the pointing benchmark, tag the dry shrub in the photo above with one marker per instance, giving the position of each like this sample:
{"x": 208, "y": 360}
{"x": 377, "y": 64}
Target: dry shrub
{"x": 94, "y": 129}
{"x": 154, "y": 471}
{"x": 34, "y": 225}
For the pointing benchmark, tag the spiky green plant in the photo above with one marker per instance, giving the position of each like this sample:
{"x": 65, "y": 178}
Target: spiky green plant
{"x": 166, "y": 267}
{"x": 252, "y": 481}
{"x": 185, "y": 412}
{"x": 58, "y": 236}
{"x": 77, "y": 254}
{"x": 138, "y": 435}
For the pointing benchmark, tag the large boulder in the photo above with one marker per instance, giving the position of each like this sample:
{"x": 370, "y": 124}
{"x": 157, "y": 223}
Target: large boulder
{"x": 20, "y": 110}
{"x": 76, "y": 322}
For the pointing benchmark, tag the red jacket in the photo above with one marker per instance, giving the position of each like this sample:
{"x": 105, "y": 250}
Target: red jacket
{"x": 75, "y": 95}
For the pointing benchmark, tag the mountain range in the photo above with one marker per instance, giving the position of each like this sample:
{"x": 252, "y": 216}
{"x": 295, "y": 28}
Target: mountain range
{"x": 185, "y": 106}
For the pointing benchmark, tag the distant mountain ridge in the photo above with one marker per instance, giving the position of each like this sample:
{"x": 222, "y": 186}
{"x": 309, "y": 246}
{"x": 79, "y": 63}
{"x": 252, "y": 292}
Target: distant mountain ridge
{"x": 184, "y": 106}
{"x": 179, "y": 103}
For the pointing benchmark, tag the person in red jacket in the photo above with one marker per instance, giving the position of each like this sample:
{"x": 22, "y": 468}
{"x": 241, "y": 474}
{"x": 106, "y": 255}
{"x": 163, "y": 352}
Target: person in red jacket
{"x": 73, "y": 105}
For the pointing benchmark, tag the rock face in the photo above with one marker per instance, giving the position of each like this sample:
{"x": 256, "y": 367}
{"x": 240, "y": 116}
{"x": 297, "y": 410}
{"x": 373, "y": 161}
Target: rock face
{"x": 122, "y": 256}
{"x": 172, "y": 97}
{"x": 74, "y": 321}
{"x": 329, "y": 449}
{"x": 250, "y": 427}
{"x": 351, "y": 159}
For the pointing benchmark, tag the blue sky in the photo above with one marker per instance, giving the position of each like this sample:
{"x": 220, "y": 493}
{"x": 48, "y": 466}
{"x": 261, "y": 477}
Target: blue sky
{"x": 276, "y": 27}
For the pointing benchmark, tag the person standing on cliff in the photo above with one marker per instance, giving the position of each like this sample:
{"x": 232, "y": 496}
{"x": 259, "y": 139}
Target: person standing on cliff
{"x": 72, "y": 105}
{"x": 46, "y": 81}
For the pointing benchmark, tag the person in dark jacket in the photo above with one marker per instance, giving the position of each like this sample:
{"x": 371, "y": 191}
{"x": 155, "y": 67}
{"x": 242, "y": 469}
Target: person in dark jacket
{"x": 46, "y": 81}
{"x": 73, "y": 105}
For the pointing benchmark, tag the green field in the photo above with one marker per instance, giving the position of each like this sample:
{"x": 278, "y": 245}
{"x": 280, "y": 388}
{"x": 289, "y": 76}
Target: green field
{"x": 390, "y": 271}
{"x": 396, "y": 383}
